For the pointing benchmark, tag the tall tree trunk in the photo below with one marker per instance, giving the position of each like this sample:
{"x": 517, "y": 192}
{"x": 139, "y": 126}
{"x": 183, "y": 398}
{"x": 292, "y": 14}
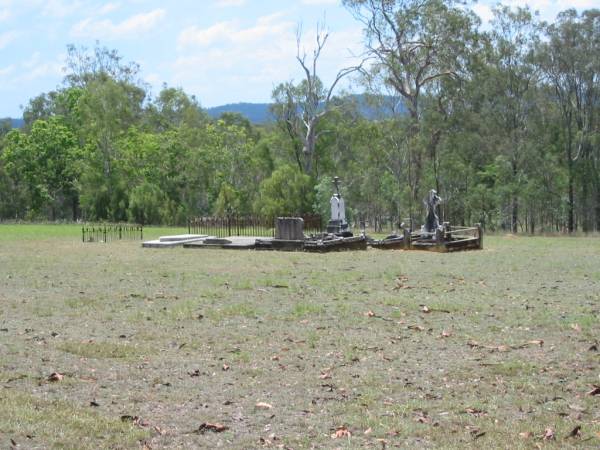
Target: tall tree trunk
{"x": 514, "y": 220}
{"x": 570, "y": 174}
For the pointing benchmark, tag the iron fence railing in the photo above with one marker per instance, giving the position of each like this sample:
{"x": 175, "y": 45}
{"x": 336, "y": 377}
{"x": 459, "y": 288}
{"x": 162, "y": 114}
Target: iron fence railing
{"x": 111, "y": 232}
{"x": 223, "y": 226}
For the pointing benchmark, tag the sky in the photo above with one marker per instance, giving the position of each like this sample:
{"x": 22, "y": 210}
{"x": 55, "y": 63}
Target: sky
{"x": 221, "y": 51}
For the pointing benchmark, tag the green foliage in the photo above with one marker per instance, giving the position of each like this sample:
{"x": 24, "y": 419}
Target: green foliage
{"x": 287, "y": 192}
{"x": 146, "y": 203}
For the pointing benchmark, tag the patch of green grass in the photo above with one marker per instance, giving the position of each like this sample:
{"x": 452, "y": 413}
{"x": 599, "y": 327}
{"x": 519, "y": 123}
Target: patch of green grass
{"x": 305, "y": 309}
{"x": 35, "y": 423}
{"x": 101, "y": 349}
{"x": 513, "y": 368}
{"x": 231, "y": 311}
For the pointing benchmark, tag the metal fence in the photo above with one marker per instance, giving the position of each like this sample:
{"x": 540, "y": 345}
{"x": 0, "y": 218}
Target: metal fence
{"x": 223, "y": 226}
{"x": 108, "y": 233}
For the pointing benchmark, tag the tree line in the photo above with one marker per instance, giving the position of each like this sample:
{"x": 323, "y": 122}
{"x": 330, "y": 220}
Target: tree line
{"x": 503, "y": 122}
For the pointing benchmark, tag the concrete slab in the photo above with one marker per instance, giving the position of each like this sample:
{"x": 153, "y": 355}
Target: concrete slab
{"x": 182, "y": 237}
{"x": 158, "y": 243}
{"x": 229, "y": 243}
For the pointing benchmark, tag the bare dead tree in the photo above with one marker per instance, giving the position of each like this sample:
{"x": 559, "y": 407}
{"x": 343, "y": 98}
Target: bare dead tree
{"x": 302, "y": 107}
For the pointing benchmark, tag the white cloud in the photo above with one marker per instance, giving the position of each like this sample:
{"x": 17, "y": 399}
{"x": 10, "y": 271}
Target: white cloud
{"x": 59, "y": 8}
{"x": 6, "y": 38}
{"x": 207, "y": 36}
{"x": 106, "y": 29}
{"x": 484, "y": 12}
{"x": 228, "y": 3}
{"x": 4, "y": 14}
{"x": 230, "y": 32}
{"x": 5, "y": 71}
{"x": 256, "y": 57}
{"x": 108, "y": 8}
{"x": 35, "y": 68}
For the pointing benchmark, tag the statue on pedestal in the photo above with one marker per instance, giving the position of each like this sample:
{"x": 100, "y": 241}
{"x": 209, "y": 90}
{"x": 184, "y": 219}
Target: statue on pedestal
{"x": 337, "y": 224}
{"x": 432, "y": 222}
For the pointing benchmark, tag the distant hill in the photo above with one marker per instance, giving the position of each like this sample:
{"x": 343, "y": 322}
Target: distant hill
{"x": 14, "y": 123}
{"x": 259, "y": 113}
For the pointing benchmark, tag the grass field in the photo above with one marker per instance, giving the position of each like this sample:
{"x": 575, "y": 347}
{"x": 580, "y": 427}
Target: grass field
{"x": 177, "y": 348}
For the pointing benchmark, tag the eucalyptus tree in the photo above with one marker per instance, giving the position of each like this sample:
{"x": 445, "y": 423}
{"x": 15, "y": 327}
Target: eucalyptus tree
{"x": 415, "y": 45}
{"x": 509, "y": 78}
{"x": 570, "y": 58}
{"x": 300, "y": 108}
{"x": 45, "y": 162}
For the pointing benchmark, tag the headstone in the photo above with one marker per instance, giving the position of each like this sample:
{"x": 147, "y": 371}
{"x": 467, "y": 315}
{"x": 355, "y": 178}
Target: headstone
{"x": 337, "y": 223}
{"x": 289, "y": 228}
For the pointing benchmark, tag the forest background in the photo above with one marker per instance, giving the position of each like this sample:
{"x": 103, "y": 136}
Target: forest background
{"x": 504, "y": 124}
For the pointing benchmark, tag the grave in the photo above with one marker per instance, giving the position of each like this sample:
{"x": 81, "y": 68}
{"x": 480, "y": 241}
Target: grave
{"x": 433, "y": 236}
{"x": 174, "y": 241}
{"x": 337, "y": 224}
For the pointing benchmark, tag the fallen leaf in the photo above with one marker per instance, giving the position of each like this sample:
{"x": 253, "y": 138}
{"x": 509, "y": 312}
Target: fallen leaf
{"x": 445, "y": 334}
{"x": 575, "y": 432}
{"x": 425, "y": 309}
{"x": 55, "y": 376}
{"x": 476, "y": 412}
{"x": 370, "y": 313}
{"x": 135, "y": 420}
{"x": 595, "y": 391}
{"x": 94, "y": 403}
{"x": 263, "y": 405}
{"x": 548, "y": 434}
{"x": 225, "y": 367}
{"x": 214, "y": 427}
{"x": 368, "y": 431}
{"x": 416, "y": 327}
{"x": 576, "y": 327}
{"x": 341, "y": 432}
{"x": 526, "y": 435}
{"x": 422, "y": 418}
{"x": 325, "y": 374}
{"x": 539, "y": 342}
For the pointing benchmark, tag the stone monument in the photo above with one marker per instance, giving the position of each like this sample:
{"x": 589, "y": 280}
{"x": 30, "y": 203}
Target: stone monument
{"x": 432, "y": 222}
{"x": 337, "y": 224}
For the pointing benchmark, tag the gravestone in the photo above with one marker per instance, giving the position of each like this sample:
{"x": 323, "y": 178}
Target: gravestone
{"x": 337, "y": 223}
{"x": 289, "y": 229}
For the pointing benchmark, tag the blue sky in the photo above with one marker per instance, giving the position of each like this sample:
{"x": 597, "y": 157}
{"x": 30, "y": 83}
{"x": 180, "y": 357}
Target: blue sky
{"x": 222, "y": 51}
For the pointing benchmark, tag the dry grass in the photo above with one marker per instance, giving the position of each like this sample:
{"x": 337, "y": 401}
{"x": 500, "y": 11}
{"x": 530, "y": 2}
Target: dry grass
{"x": 177, "y": 338}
